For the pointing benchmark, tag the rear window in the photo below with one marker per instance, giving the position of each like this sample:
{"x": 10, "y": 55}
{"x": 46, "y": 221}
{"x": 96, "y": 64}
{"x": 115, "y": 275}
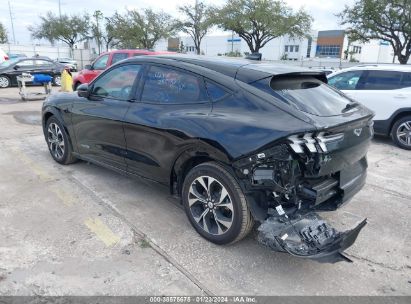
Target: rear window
{"x": 307, "y": 94}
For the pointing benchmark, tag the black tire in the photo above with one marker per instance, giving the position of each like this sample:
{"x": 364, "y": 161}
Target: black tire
{"x": 402, "y": 127}
{"x": 57, "y": 80}
{"x": 66, "y": 152}
{"x": 242, "y": 221}
{"x": 5, "y": 82}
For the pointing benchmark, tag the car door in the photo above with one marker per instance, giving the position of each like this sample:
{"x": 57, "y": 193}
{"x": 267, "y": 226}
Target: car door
{"x": 22, "y": 66}
{"x": 98, "y": 119}
{"x": 98, "y": 66}
{"x": 42, "y": 66}
{"x": 162, "y": 123}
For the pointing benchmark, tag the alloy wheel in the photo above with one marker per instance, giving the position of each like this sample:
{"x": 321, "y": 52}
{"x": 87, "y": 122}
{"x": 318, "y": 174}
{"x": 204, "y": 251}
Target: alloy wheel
{"x": 404, "y": 133}
{"x": 56, "y": 140}
{"x": 4, "y": 82}
{"x": 210, "y": 205}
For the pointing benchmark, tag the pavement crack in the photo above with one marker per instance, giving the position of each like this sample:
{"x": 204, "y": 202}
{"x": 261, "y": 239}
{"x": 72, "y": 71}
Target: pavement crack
{"x": 383, "y": 265}
{"x": 108, "y": 205}
{"x": 391, "y": 192}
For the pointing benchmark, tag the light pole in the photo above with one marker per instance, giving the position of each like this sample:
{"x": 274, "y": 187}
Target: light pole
{"x": 12, "y": 23}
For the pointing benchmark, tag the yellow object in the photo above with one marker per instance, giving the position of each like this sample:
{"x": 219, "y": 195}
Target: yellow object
{"x": 66, "y": 82}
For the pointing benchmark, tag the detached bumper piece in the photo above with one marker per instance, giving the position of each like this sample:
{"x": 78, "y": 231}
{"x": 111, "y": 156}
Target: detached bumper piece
{"x": 307, "y": 236}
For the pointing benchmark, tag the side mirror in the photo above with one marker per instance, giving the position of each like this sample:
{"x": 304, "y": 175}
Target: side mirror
{"x": 83, "y": 90}
{"x": 88, "y": 67}
{"x": 16, "y": 67}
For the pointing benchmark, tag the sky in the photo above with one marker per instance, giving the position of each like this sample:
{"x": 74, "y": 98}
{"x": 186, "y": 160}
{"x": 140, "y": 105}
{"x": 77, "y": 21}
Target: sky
{"x": 27, "y": 12}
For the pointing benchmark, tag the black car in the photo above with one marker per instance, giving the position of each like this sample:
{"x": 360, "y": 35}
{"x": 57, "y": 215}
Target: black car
{"x": 237, "y": 141}
{"x": 10, "y": 69}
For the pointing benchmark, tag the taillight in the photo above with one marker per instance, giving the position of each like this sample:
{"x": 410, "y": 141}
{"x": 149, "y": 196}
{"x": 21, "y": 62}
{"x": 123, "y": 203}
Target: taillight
{"x": 314, "y": 143}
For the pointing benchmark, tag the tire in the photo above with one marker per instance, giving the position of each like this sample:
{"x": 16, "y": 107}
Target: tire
{"x": 57, "y": 80}
{"x": 231, "y": 209}
{"x": 55, "y": 135}
{"x": 4, "y": 81}
{"x": 401, "y": 132}
{"x": 75, "y": 86}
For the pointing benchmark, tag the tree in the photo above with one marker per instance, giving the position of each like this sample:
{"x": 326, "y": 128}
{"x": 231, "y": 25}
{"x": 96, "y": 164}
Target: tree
{"x": 197, "y": 22}
{"x": 387, "y": 20}
{"x": 3, "y": 34}
{"x": 142, "y": 29}
{"x": 68, "y": 29}
{"x": 260, "y": 21}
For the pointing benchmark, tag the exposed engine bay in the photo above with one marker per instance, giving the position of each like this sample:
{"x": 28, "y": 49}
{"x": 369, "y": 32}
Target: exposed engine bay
{"x": 289, "y": 182}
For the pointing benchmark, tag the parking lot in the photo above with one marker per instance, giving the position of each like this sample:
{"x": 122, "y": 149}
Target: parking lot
{"x": 84, "y": 230}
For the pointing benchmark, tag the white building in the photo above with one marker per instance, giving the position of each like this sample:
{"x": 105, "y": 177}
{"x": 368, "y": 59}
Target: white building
{"x": 332, "y": 45}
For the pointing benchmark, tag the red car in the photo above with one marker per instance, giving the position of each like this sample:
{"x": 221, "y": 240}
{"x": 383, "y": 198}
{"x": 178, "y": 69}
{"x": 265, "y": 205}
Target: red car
{"x": 104, "y": 61}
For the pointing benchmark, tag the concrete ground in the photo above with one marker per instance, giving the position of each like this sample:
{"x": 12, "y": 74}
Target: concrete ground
{"x": 84, "y": 230}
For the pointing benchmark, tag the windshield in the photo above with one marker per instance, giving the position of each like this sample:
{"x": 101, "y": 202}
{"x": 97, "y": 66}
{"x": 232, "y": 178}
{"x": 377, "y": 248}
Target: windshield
{"x": 8, "y": 63}
{"x": 307, "y": 94}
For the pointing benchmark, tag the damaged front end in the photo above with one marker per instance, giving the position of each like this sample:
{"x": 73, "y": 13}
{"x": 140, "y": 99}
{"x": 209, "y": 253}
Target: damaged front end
{"x": 287, "y": 183}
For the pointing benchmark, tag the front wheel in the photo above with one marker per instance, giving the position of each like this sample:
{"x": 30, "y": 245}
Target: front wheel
{"x": 58, "y": 142}
{"x": 401, "y": 132}
{"x": 215, "y": 204}
{"x": 4, "y": 81}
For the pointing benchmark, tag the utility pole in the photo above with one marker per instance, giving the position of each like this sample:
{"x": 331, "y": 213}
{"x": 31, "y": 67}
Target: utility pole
{"x": 98, "y": 14}
{"x": 60, "y": 9}
{"x": 12, "y": 23}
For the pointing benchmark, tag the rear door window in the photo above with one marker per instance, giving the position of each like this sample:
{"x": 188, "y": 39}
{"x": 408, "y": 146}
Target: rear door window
{"x": 171, "y": 86}
{"x": 381, "y": 80}
{"x": 118, "y": 57}
{"x": 345, "y": 81}
{"x": 406, "y": 80}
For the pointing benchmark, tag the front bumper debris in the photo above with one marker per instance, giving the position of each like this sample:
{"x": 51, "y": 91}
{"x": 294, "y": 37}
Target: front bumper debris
{"x": 307, "y": 236}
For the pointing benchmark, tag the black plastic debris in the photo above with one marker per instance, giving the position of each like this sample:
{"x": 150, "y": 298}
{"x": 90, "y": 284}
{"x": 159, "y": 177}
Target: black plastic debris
{"x": 307, "y": 236}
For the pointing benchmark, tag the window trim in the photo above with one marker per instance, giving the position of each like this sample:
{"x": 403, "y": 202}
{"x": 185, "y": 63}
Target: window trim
{"x": 228, "y": 91}
{"x": 133, "y": 88}
{"x": 141, "y": 85}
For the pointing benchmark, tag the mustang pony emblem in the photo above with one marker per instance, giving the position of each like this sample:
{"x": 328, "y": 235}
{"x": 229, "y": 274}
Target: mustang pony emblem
{"x": 357, "y": 132}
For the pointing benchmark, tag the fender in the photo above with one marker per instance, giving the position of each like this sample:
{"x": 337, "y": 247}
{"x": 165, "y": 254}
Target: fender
{"x": 56, "y": 112}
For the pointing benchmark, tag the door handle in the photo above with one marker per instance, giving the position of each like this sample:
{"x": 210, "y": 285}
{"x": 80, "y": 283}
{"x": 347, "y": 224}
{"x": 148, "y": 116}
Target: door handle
{"x": 400, "y": 96}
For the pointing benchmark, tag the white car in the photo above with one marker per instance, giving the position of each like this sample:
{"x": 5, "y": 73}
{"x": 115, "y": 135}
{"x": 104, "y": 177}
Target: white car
{"x": 385, "y": 89}
{"x": 3, "y": 56}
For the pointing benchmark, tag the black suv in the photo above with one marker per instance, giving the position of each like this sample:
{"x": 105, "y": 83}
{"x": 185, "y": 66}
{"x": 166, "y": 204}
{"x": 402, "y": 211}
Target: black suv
{"x": 238, "y": 141}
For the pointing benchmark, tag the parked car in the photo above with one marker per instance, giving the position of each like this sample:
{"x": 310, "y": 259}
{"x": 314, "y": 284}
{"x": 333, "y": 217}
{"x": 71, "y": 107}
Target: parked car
{"x": 104, "y": 61}
{"x": 10, "y": 69}
{"x": 385, "y": 89}
{"x": 71, "y": 63}
{"x": 3, "y": 56}
{"x": 238, "y": 142}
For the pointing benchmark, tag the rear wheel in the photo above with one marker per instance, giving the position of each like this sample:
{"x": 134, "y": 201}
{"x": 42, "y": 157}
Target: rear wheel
{"x": 4, "y": 81}
{"x": 58, "y": 142}
{"x": 401, "y": 132}
{"x": 57, "y": 80}
{"x": 215, "y": 204}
